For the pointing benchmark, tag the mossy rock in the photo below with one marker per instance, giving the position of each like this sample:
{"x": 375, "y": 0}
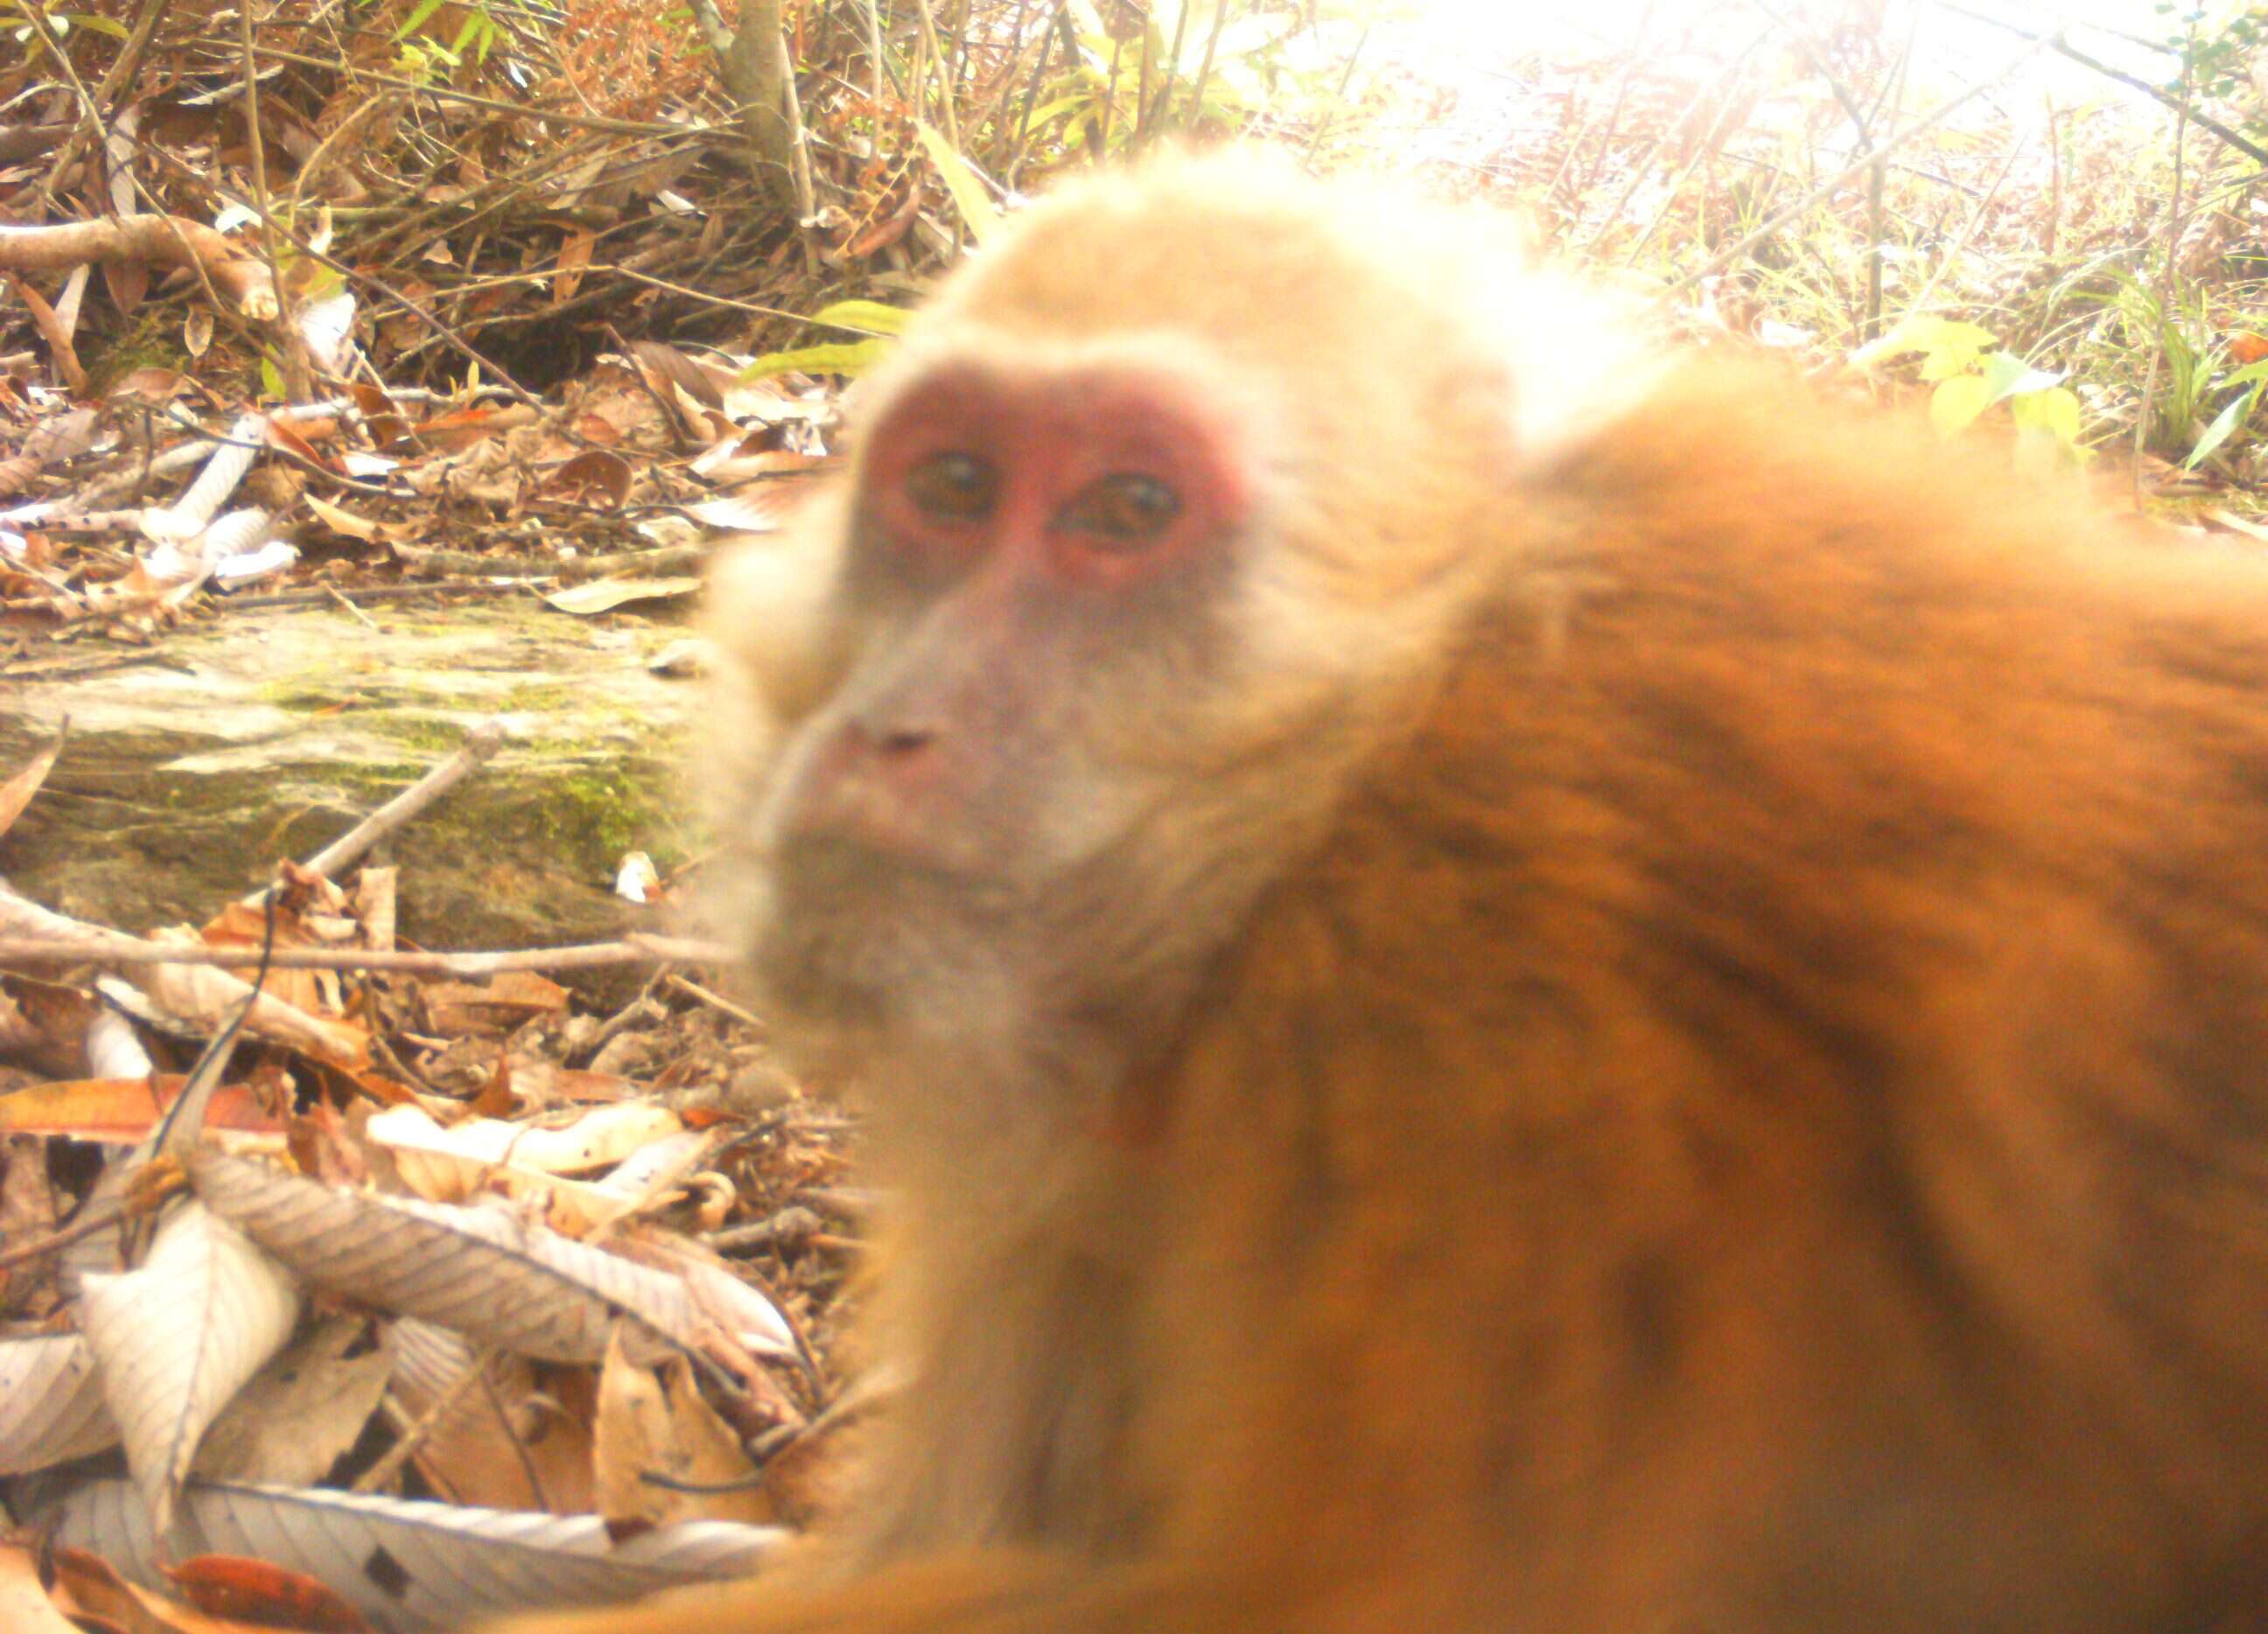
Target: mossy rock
{"x": 265, "y": 734}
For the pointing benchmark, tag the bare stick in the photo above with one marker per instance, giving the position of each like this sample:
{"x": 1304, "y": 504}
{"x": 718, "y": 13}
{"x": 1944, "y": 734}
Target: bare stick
{"x": 480, "y": 745}
{"x": 1841, "y": 178}
{"x": 86, "y": 943}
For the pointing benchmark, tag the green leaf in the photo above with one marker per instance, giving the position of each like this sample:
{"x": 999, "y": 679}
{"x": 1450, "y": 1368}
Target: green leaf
{"x": 961, "y": 181}
{"x": 865, "y": 317}
{"x": 1048, "y": 113}
{"x": 1957, "y": 401}
{"x": 1951, "y": 346}
{"x": 2010, "y": 376}
{"x": 99, "y": 25}
{"x": 2054, "y": 411}
{"x": 2223, "y": 423}
{"x": 418, "y": 13}
{"x": 856, "y": 357}
{"x": 271, "y": 378}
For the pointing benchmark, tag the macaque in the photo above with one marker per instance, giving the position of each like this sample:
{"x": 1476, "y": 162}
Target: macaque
{"x": 1508, "y": 982}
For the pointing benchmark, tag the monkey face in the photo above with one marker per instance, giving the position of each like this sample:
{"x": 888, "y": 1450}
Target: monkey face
{"x": 1030, "y": 588}
{"x": 1117, "y": 594}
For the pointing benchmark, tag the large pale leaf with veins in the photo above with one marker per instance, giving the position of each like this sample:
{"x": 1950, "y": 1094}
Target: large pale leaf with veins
{"x": 178, "y": 1337}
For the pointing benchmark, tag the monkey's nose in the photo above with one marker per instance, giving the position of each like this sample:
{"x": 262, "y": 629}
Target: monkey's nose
{"x": 879, "y": 786}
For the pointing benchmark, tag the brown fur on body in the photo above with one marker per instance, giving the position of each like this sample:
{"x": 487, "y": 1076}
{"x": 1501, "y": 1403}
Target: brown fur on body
{"x": 1735, "y": 1101}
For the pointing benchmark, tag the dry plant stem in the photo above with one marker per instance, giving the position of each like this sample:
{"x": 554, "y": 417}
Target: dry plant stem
{"x": 1155, "y": 113}
{"x": 502, "y": 1410}
{"x": 1969, "y": 229}
{"x": 90, "y": 111}
{"x": 807, "y": 190}
{"x": 1031, "y": 100}
{"x": 2181, "y": 104}
{"x": 169, "y": 240}
{"x": 1842, "y": 177}
{"x": 511, "y": 110}
{"x": 2055, "y": 178}
{"x": 2165, "y": 293}
{"x": 70, "y": 669}
{"x": 1726, "y": 86}
{"x": 62, "y": 1237}
{"x": 957, "y": 81}
{"x": 1346, "y": 78}
{"x": 1862, "y": 120}
{"x": 456, "y": 342}
{"x": 339, "y": 599}
{"x": 380, "y": 1476}
{"x": 946, "y": 120}
{"x": 1142, "y": 88}
{"x": 724, "y": 1007}
{"x": 1606, "y": 142}
{"x": 1892, "y": 101}
{"x": 752, "y": 62}
{"x": 874, "y": 48}
{"x": 1110, "y": 100}
{"x": 1204, "y": 68}
{"x": 479, "y": 747}
{"x": 299, "y": 380}
{"x": 83, "y": 943}
{"x": 22, "y": 142}
{"x": 369, "y": 594}
{"x": 128, "y": 63}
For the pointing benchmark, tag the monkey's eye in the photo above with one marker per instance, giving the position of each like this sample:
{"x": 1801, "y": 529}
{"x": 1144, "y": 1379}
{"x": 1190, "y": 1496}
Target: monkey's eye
{"x": 1122, "y": 509}
{"x": 953, "y": 486}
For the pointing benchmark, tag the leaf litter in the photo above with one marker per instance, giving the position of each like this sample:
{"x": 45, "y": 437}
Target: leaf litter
{"x": 446, "y": 1291}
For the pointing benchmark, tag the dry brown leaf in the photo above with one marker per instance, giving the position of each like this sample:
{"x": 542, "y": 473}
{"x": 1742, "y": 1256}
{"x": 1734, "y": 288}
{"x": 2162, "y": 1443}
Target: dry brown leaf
{"x": 17, "y": 793}
{"x": 123, "y": 1110}
{"x": 258, "y": 1594}
{"x": 651, "y": 1421}
{"x": 501, "y": 1005}
{"x": 341, "y": 521}
{"x": 594, "y": 472}
{"x": 519, "y": 1160}
{"x": 480, "y": 1270}
{"x": 501, "y": 1443}
{"x": 91, "y": 1590}
{"x": 178, "y": 1337}
{"x": 25, "y": 1607}
{"x": 301, "y": 1411}
{"x": 51, "y": 1403}
{"x": 407, "y": 1565}
{"x": 208, "y": 994}
{"x": 574, "y": 259}
{"x": 604, "y": 595}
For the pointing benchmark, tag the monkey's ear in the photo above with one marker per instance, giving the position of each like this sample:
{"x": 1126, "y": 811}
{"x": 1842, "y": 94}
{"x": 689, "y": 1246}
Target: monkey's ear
{"x": 1575, "y": 358}
{"x": 769, "y": 596}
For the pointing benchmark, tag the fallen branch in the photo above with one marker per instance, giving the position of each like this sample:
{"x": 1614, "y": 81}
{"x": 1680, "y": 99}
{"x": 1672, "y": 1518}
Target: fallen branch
{"x": 479, "y": 745}
{"x": 169, "y": 240}
{"x": 83, "y": 943}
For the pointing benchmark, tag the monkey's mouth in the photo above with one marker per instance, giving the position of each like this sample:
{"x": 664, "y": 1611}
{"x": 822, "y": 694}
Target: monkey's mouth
{"x": 857, "y": 938}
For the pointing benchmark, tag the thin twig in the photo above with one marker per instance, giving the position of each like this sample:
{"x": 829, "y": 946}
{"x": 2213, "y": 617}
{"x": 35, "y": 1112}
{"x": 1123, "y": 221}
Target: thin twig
{"x": 479, "y": 747}
{"x": 2180, "y": 103}
{"x": 716, "y": 1001}
{"x": 299, "y": 382}
{"x": 111, "y": 947}
{"x": 1841, "y": 178}
{"x": 380, "y": 1475}
{"x": 515, "y": 110}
